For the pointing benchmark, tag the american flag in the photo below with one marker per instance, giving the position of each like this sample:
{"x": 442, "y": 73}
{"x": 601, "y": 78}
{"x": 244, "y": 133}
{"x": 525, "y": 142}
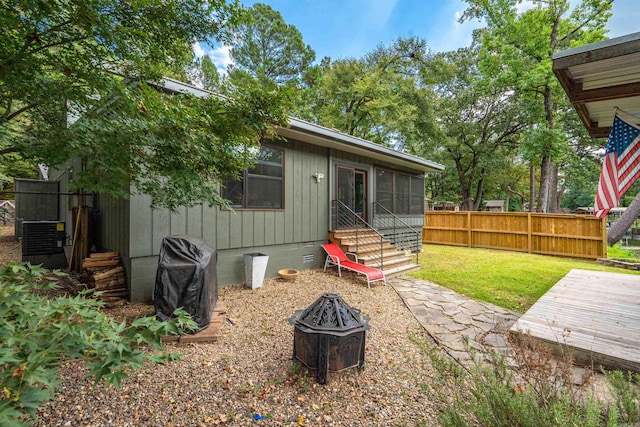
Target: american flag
{"x": 621, "y": 166}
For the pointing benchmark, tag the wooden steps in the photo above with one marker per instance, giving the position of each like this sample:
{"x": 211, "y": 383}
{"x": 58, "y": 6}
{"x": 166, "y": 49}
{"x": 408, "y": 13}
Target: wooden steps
{"x": 368, "y": 248}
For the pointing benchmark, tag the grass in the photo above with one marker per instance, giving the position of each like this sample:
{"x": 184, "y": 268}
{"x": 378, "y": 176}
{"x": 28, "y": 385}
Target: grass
{"x": 617, "y": 251}
{"x": 512, "y": 280}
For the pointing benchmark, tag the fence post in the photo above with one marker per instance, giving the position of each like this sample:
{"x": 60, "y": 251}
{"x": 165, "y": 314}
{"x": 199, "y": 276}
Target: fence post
{"x": 469, "y": 228}
{"x": 529, "y": 232}
{"x": 603, "y": 232}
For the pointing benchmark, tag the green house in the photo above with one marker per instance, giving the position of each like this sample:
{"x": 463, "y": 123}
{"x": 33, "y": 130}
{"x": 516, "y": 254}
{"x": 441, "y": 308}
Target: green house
{"x": 298, "y": 194}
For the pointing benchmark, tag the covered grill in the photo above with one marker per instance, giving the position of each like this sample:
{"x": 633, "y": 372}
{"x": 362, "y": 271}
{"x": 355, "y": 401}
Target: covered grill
{"x": 329, "y": 336}
{"x": 186, "y": 278}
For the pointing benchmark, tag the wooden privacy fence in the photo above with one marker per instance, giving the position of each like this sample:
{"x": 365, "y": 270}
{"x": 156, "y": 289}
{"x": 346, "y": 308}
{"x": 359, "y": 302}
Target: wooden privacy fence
{"x": 578, "y": 236}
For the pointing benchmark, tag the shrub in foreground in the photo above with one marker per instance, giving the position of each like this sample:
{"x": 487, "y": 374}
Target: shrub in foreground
{"x": 38, "y": 332}
{"x": 534, "y": 389}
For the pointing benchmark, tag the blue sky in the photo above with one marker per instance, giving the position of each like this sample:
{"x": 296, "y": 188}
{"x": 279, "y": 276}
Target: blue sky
{"x": 350, "y": 28}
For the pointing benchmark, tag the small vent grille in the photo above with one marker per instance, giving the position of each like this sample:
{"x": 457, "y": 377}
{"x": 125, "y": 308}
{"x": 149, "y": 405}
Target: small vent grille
{"x": 308, "y": 258}
{"x": 42, "y": 237}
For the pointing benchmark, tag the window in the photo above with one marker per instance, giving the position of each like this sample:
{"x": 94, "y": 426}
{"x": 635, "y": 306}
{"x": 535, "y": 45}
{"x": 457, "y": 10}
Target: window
{"x": 261, "y": 185}
{"x": 400, "y": 193}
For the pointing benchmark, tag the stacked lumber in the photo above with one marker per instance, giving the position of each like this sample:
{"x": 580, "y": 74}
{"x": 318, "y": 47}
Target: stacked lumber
{"x": 106, "y": 275}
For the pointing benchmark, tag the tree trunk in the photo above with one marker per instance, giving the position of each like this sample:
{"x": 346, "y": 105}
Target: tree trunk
{"x": 545, "y": 164}
{"x": 543, "y": 192}
{"x": 465, "y": 187}
{"x": 532, "y": 187}
{"x": 553, "y": 189}
{"x": 479, "y": 190}
{"x": 619, "y": 227}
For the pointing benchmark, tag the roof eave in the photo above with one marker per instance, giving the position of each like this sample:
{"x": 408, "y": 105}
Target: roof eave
{"x": 319, "y": 135}
{"x": 599, "y": 98}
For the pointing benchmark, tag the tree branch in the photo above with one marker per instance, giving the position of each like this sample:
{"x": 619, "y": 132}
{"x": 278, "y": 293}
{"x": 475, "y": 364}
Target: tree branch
{"x": 58, "y": 43}
{"x": 8, "y": 117}
{"x": 8, "y": 150}
{"x": 579, "y": 27}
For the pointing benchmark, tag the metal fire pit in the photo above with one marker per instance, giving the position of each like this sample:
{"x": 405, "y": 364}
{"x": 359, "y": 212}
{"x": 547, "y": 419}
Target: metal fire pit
{"x": 329, "y": 336}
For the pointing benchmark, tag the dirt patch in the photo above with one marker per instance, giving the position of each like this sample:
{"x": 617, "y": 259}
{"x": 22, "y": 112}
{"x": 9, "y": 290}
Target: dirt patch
{"x": 10, "y": 247}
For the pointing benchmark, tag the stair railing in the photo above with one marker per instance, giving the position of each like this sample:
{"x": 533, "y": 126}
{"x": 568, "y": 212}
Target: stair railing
{"x": 395, "y": 229}
{"x": 344, "y": 218}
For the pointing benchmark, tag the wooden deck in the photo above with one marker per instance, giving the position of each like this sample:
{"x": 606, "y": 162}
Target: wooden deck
{"x": 594, "y": 314}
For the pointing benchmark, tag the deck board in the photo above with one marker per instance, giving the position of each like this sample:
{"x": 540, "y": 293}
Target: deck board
{"x": 595, "y": 314}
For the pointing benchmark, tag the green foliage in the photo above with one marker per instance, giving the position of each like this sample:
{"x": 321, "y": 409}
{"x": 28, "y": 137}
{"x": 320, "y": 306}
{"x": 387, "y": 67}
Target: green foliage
{"x": 175, "y": 148}
{"x": 516, "y": 52}
{"x": 624, "y": 387}
{"x": 269, "y": 48}
{"x": 377, "y": 97}
{"x": 39, "y": 332}
{"x": 91, "y": 58}
{"x": 479, "y": 123}
{"x": 206, "y": 74}
{"x": 534, "y": 390}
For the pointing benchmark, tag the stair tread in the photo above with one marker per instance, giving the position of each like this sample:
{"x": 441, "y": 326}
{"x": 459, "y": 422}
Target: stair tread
{"x": 387, "y": 255}
{"x": 400, "y": 270}
{"x": 390, "y": 262}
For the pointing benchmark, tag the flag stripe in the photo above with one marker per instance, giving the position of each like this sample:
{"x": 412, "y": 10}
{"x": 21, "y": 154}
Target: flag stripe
{"x": 620, "y": 168}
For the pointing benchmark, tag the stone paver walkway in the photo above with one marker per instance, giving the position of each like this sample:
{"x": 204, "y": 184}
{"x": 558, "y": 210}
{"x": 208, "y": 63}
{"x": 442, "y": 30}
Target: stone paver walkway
{"x": 449, "y": 317}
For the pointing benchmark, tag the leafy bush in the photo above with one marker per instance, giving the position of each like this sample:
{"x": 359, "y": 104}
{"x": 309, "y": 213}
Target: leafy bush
{"x": 534, "y": 390}
{"x": 38, "y": 332}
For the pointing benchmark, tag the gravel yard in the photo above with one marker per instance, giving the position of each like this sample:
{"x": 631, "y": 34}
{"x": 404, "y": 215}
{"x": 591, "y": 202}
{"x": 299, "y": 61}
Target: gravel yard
{"x": 10, "y": 248}
{"x": 250, "y": 371}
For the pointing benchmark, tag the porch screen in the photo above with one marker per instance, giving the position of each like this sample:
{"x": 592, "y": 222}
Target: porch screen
{"x": 400, "y": 193}
{"x": 261, "y": 185}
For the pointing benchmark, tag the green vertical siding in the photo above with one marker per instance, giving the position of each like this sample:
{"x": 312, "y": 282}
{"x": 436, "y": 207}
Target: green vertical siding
{"x": 286, "y": 234}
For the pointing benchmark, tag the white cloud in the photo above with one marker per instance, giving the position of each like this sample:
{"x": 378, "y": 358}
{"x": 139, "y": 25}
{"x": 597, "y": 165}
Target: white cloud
{"x": 198, "y": 51}
{"x": 221, "y": 57}
{"x": 524, "y": 6}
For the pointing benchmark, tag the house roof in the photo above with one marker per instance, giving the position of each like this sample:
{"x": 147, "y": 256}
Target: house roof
{"x": 312, "y": 133}
{"x": 599, "y": 77}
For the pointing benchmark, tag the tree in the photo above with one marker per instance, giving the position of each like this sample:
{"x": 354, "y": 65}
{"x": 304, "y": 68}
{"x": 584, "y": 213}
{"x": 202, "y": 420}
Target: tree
{"x": 268, "y": 48}
{"x": 94, "y": 58}
{"x": 378, "y": 97}
{"x": 205, "y": 73}
{"x": 480, "y": 122}
{"x": 517, "y": 48}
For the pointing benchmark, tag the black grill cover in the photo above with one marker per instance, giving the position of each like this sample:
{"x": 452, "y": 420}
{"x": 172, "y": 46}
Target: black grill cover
{"x": 186, "y": 278}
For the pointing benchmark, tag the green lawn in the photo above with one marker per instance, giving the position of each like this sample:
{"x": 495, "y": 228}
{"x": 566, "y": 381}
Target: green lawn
{"x": 511, "y": 280}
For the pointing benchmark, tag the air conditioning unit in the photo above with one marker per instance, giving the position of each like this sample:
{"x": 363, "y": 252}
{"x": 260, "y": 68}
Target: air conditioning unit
{"x": 42, "y": 237}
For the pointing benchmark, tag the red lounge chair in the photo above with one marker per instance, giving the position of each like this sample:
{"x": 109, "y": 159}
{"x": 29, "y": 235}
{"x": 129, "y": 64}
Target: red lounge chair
{"x": 335, "y": 256}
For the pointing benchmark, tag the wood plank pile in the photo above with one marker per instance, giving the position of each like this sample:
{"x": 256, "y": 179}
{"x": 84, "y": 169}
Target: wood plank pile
{"x": 106, "y": 275}
{"x": 209, "y": 334}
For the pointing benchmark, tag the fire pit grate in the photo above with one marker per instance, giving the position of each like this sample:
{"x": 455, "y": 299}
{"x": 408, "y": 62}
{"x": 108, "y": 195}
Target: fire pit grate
{"x": 329, "y": 336}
